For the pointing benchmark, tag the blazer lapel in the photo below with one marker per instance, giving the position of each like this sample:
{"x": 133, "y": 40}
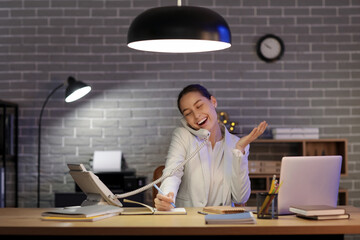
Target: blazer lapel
{"x": 228, "y": 158}
{"x": 204, "y": 160}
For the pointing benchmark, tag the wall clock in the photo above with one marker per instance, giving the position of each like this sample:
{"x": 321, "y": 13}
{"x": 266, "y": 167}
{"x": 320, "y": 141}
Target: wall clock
{"x": 270, "y": 48}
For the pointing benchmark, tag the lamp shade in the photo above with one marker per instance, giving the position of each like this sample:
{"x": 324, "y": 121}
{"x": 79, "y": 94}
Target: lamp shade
{"x": 75, "y": 90}
{"x": 179, "y": 29}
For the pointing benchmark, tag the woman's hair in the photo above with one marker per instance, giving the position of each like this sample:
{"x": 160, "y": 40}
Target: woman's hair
{"x": 193, "y": 88}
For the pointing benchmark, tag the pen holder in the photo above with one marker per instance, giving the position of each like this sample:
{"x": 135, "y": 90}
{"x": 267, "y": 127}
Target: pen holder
{"x": 267, "y": 205}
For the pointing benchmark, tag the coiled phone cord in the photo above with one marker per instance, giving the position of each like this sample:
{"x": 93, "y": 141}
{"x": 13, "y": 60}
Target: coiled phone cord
{"x": 177, "y": 168}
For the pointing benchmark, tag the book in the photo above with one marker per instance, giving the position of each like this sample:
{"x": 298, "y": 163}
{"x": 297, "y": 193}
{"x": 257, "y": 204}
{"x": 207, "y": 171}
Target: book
{"x": 79, "y": 219}
{"x": 223, "y": 209}
{"x": 295, "y": 130}
{"x": 148, "y": 210}
{"x": 295, "y": 133}
{"x": 296, "y": 136}
{"x": 325, "y": 217}
{"x": 236, "y": 218}
{"x": 82, "y": 212}
{"x": 316, "y": 210}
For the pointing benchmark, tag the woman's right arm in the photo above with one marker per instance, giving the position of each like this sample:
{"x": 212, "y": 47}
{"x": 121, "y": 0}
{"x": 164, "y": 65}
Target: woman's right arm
{"x": 175, "y": 156}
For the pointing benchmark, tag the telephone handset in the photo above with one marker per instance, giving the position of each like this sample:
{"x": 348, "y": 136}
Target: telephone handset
{"x": 201, "y": 133}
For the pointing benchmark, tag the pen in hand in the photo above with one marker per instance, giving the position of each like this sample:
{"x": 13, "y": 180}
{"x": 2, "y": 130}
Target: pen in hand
{"x": 161, "y": 192}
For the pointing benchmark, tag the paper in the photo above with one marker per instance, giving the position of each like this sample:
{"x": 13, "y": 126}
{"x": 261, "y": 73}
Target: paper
{"x": 146, "y": 209}
{"x": 107, "y": 161}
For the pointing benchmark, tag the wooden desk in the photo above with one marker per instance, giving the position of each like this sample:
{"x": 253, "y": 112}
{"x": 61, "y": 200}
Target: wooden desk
{"x": 27, "y": 222}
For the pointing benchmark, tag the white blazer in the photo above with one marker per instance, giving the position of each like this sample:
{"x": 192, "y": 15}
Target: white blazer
{"x": 191, "y": 184}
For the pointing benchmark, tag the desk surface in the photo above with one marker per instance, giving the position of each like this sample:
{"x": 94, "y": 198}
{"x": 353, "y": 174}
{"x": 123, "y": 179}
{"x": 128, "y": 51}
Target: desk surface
{"x": 26, "y": 221}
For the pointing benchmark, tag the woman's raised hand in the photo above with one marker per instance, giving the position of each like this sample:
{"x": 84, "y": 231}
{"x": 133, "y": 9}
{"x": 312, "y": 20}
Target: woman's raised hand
{"x": 255, "y": 133}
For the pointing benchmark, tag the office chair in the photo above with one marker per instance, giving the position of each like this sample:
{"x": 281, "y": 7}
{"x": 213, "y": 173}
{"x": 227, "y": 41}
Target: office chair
{"x": 157, "y": 174}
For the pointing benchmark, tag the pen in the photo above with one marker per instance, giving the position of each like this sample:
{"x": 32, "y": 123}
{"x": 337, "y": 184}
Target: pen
{"x": 161, "y": 192}
{"x": 203, "y": 213}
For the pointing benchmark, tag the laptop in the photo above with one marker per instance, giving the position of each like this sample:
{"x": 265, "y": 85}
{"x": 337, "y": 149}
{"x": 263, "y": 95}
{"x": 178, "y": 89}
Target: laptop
{"x": 309, "y": 180}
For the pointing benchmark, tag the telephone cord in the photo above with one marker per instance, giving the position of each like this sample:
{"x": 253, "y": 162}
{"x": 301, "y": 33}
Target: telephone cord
{"x": 177, "y": 168}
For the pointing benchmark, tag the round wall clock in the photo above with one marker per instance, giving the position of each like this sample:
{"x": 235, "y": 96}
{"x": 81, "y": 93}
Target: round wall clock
{"x": 270, "y": 48}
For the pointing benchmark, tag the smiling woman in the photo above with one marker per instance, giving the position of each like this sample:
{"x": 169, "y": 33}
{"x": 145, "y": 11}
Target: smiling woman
{"x": 218, "y": 175}
{"x": 200, "y": 111}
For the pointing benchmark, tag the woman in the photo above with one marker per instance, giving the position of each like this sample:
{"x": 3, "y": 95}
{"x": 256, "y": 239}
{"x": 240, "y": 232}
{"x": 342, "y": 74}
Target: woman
{"x": 218, "y": 174}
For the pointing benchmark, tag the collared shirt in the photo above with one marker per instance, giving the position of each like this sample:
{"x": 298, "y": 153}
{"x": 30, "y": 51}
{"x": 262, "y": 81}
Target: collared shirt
{"x": 216, "y": 169}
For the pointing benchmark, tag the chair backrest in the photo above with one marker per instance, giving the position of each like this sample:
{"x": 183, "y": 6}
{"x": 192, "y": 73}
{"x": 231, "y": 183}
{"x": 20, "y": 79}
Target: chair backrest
{"x": 157, "y": 174}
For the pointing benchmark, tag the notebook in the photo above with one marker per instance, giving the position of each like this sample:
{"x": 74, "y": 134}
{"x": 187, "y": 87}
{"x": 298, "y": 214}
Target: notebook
{"x": 236, "y": 218}
{"x": 309, "y": 180}
{"x": 316, "y": 210}
{"x": 79, "y": 219}
{"x": 223, "y": 209}
{"x": 148, "y": 210}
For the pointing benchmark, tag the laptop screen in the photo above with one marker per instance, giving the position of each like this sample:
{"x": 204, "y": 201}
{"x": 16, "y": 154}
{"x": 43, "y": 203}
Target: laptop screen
{"x": 309, "y": 180}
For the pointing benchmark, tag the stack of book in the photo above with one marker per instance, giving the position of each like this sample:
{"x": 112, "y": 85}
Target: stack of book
{"x": 227, "y": 215}
{"x": 82, "y": 214}
{"x": 295, "y": 133}
{"x": 319, "y": 212}
{"x": 234, "y": 218}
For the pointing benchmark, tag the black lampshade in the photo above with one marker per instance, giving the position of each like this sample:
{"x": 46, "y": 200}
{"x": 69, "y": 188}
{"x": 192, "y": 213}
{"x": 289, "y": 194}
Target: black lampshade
{"x": 75, "y": 90}
{"x": 179, "y": 29}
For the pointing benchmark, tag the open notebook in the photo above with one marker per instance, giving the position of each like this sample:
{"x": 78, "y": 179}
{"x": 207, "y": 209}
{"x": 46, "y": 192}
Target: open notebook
{"x": 146, "y": 209}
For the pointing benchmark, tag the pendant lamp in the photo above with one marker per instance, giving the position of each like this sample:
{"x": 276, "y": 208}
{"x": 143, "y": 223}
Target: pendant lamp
{"x": 179, "y": 29}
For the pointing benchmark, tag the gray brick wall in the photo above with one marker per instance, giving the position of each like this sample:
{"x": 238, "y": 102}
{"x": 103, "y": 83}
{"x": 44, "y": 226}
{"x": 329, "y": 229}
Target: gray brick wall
{"x": 133, "y": 103}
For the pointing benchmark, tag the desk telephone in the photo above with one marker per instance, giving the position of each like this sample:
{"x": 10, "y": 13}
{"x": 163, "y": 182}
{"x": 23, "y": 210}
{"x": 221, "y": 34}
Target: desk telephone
{"x": 97, "y": 192}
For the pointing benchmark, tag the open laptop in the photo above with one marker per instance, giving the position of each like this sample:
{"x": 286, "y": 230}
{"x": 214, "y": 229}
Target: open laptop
{"x": 309, "y": 180}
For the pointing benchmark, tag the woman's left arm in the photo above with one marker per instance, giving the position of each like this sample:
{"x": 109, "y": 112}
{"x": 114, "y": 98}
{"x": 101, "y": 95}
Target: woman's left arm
{"x": 240, "y": 182}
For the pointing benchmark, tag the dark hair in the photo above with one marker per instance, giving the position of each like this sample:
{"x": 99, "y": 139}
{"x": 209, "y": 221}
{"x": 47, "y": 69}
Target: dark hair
{"x": 193, "y": 88}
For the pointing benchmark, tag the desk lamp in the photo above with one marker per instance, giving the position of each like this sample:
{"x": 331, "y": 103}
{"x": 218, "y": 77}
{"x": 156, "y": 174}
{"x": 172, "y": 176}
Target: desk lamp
{"x": 74, "y": 91}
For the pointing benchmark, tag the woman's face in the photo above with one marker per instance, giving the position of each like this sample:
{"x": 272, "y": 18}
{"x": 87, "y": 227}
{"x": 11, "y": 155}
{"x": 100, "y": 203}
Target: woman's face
{"x": 199, "y": 112}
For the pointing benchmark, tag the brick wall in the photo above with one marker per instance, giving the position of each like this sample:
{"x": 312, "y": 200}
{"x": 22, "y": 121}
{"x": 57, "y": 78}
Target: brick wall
{"x": 133, "y": 103}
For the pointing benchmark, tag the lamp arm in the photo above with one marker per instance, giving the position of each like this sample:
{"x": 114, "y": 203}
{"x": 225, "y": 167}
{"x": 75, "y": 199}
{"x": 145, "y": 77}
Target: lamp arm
{"x": 39, "y": 140}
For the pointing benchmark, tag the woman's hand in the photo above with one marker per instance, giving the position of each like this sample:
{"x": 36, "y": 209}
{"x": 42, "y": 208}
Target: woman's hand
{"x": 163, "y": 202}
{"x": 255, "y": 133}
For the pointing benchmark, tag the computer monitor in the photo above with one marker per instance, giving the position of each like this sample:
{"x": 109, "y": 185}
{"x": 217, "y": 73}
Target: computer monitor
{"x": 309, "y": 180}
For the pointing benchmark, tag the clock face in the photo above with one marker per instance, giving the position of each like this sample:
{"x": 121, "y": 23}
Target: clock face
{"x": 270, "y": 48}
